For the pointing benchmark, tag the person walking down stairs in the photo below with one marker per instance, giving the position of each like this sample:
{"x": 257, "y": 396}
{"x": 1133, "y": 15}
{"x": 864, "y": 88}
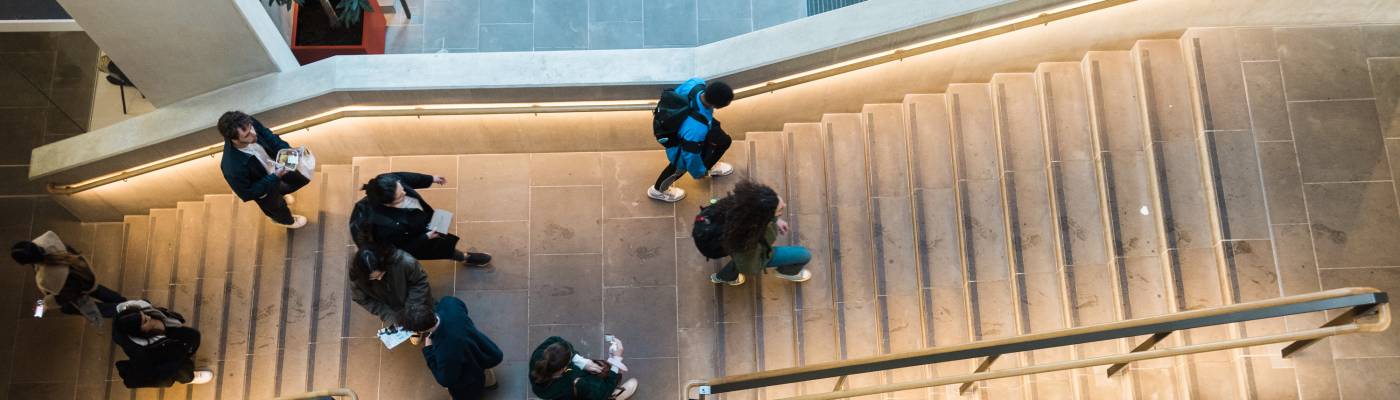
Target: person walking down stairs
{"x": 744, "y": 226}
{"x": 251, "y": 169}
{"x": 461, "y": 357}
{"x": 684, "y": 123}
{"x": 64, "y": 278}
{"x": 392, "y": 212}
{"x": 385, "y": 281}
{"x": 559, "y": 372}
{"x": 159, "y": 348}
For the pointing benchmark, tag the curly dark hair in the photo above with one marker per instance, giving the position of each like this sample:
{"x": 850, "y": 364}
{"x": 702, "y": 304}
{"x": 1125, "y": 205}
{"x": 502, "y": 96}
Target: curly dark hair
{"x": 553, "y": 358}
{"x": 747, "y": 211}
{"x": 231, "y": 121}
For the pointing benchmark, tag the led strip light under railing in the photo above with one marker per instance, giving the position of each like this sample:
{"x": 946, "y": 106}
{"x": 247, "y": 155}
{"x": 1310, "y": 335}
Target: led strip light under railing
{"x": 942, "y": 42}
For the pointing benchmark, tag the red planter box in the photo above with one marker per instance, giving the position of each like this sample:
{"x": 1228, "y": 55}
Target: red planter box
{"x": 371, "y": 39}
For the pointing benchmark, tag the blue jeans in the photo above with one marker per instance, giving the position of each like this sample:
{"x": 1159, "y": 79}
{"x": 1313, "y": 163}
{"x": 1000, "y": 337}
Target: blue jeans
{"x": 788, "y": 260}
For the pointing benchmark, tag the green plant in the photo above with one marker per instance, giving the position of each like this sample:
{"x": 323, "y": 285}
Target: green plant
{"x": 344, "y": 13}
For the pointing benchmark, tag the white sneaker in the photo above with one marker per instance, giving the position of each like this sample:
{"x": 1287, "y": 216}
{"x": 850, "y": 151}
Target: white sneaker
{"x": 800, "y": 277}
{"x": 721, "y": 169}
{"x": 671, "y": 195}
{"x": 629, "y": 388}
{"x": 714, "y": 278}
{"x": 490, "y": 381}
{"x": 202, "y": 376}
{"x": 297, "y": 222}
{"x": 289, "y": 199}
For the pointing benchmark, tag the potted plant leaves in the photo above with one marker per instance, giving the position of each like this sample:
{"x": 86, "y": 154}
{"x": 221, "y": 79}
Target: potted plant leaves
{"x": 325, "y": 28}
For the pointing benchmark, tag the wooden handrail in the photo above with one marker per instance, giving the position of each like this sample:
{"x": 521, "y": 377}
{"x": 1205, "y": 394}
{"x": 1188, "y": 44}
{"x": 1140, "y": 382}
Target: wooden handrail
{"x": 1276, "y": 307}
{"x": 347, "y": 392}
{"x": 992, "y": 29}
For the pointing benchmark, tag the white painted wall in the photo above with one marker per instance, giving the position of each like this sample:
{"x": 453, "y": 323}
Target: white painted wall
{"x": 176, "y": 49}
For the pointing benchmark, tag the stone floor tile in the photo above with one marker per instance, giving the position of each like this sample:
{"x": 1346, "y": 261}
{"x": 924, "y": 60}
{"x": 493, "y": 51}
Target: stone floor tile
{"x": 1271, "y": 381}
{"x": 566, "y": 220}
{"x": 451, "y": 24}
{"x": 1364, "y": 345}
{"x": 768, "y": 13}
{"x": 1323, "y": 63}
{"x": 627, "y": 176}
{"x": 508, "y": 244}
{"x": 639, "y": 252}
{"x": 697, "y": 298}
{"x": 669, "y": 23}
{"x": 1206, "y": 381}
{"x": 640, "y": 317}
{"x": 1155, "y": 383}
{"x": 442, "y": 166}
{"x": 700, "y": 352}
{"x": 42, "y": 391}
{"x": 513, "y": 380}
{"x": 51, "y": 345}
{"x": 1381, "y": 40}
{"x": 1354, "y": 224}
{"x": 1296, "y": 265}
{"x": 24, "y": 128}
{"x": 1385, "y": 75}
{"x": 1368, "y": 378}
{"x": 565, "y": 169}
{"x": 1256, "y": 44}
{"x": 501, "y": 315}
{"x": 615, "y": 35}
{"x": 717, "y": 29}
{"x": 1339, "y": 141}
{"x": 442, "y": 278}
{"x": 411, "y": 378}
{"x": 566, "y": 289}
{"x": 21, "y": 185}
{"x": 586, "y": 338}
{"x": 1283, "y": 185}
{"x": 561, "y": 25}
{"x": 497, "y": 183}
{"x": 1252, "y": 264}
{"x": 364, "y": 367}
{"x": 504, "y": 11}
{"x": 1237, "y": 167}
{"x": 1268, "y": 109}
{"x": 614, "y": 10}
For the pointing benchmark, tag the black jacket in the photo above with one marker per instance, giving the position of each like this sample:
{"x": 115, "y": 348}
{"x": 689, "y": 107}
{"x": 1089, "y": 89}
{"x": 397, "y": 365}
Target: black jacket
{"x": 460, "y": 354}
{"x": 404, "y": 283}
{"x": 404, "y": 229}
{"x": 249, "y": 179}
{"x": 159, "y": 364}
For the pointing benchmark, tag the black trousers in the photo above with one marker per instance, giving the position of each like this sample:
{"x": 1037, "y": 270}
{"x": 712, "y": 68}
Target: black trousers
{"x": 716, "y": 143}
{"x": 274, "y": 206}
{"x": 107, "y": 300}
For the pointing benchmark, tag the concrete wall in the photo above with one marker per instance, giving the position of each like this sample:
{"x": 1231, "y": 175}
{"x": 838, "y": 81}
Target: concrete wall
{"x": 176, "y": 49}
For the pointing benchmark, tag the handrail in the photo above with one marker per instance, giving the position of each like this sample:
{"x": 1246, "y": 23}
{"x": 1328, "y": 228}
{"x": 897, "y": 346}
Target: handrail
{"x": 992, "y": 29}
{"x": 347, "y": 392}
{"x": 1360, "y": 300}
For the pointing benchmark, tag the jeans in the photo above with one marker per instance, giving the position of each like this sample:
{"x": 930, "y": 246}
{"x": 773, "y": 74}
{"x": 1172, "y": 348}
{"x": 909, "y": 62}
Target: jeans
{"x": 716, "y": 143}
{"x": 788, "y": 260}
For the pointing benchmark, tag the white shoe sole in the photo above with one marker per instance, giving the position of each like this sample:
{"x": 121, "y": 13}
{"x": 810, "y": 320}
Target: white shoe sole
{"x": 663, "y": 197}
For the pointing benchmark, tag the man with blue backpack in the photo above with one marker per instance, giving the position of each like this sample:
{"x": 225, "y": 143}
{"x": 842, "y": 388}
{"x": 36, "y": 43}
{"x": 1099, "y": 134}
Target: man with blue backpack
{"x": 684, "y": 124}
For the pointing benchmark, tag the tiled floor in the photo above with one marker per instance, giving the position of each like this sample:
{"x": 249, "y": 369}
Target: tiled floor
{"x": 531, "y": 25}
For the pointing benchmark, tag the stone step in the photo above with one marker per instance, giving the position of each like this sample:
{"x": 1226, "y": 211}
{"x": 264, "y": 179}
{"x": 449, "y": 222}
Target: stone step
{"x": 331, "y": 300}
{"x": 239, "y": 305}
{"x": 104, "y": 254}
{"x": 297, "y": 318}
{"x": 938, "y": 225}
{"x": 1081, "y": 235}
{"x": 133, "y": 281}
{"x": 809, "y": 216}
{"x": 187, "y": 270}
{"x": 777, "y": 297}
{"x": 1039, "y": 279}
{"x": 160, "y": 269}
{"x": 268, "y": 306}
{"x": 853, "y": 253}
{"x": 210, "y": 313}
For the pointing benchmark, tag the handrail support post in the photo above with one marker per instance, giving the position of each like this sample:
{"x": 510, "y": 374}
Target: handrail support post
{"x": 1343, "y": 319}
{"x": 840, "y": 383}
{"x": 982, "y": 367}
{"x": 1144, "y": 346}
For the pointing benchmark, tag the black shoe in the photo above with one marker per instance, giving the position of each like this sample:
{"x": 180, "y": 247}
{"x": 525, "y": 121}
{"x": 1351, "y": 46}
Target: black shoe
{"x": 478, "y": 259}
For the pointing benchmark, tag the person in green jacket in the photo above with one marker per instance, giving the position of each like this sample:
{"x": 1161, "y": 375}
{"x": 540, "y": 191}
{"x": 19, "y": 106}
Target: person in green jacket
{"x": 385, "y": 280}
{"x": 558, "y": 372}
{"x": 752, "y": 221}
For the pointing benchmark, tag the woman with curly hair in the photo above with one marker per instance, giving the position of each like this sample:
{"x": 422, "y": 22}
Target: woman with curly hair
{"x": 751, "y": 220}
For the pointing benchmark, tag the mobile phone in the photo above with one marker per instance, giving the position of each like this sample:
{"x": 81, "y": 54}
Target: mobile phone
{"x": 39, "y": 309}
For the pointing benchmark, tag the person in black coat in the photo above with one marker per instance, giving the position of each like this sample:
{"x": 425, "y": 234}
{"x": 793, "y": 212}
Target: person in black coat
{"x": 392, "y": 212}
{"x": 159, "y": 348}
{"x": 460, "y": 356}
{"x": 249, "y": 165}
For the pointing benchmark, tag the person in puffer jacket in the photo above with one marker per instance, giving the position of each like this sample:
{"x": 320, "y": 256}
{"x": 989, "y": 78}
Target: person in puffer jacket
{"x": 159, "y": 347}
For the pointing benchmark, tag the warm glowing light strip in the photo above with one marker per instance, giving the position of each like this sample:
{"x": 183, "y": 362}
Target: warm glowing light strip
{"x": 882, "y": 57}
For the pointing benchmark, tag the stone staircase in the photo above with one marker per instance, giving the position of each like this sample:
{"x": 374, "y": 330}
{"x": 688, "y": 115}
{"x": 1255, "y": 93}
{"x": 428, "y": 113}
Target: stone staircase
{"x": 1078, "y": 194}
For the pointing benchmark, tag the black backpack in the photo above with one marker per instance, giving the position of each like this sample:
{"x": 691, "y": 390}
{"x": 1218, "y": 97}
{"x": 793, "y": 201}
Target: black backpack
{"x": 671, "y": 112}
{"x": 708, "y": 233}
